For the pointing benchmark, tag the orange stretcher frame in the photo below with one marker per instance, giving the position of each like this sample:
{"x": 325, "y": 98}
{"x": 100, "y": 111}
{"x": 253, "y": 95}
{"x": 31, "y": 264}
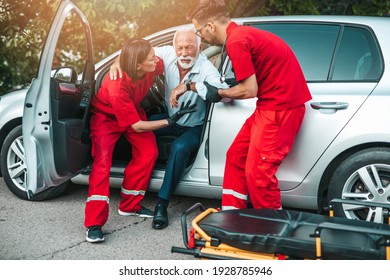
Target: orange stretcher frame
{"x": 205, "y": 239}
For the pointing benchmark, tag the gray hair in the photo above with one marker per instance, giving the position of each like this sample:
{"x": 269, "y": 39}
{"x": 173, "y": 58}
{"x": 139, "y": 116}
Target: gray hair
{"x": 183, "y": 29}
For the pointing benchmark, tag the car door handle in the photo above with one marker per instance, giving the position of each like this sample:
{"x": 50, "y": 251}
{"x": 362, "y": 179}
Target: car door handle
{"x": 329, "y": 105}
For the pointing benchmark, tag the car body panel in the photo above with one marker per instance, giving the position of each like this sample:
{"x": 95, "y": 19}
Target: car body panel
{"x": 10, "y": 108}
{"x": 10, "y": 113}
{"x": 292, "y": 170}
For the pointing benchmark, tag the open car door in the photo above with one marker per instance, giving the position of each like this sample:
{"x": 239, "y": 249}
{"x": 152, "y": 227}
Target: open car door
{"x": 55, "y": 118}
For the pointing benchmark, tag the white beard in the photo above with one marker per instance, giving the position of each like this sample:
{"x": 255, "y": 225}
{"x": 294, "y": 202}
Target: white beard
{"x": 186, "y": 65}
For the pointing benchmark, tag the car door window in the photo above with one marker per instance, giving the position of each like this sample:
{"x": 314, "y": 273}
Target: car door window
{"x": 313, "y": 44}
{"x": 358, "y": 57}
{"x": 71, "y": 49}
{"x": 68, "y": 64}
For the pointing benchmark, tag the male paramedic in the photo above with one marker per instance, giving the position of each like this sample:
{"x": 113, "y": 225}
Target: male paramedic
{"x": 265, "y": 67}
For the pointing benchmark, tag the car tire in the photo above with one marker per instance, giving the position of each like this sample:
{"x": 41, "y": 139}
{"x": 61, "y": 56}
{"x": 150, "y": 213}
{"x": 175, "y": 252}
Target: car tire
{"x": 14, "y": 169}
{"x": 363, "y": 176}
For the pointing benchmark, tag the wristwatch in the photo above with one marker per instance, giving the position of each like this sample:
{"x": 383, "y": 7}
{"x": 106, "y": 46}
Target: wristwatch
{"x": 188, "y": 84}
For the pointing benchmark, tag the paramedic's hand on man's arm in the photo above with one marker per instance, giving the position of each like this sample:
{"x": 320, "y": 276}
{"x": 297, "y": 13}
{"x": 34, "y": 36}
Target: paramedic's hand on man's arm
{"x": 243, "y": 90}
{"x": 115, "y": 69}
{"x": 212, "y": 93}
{"x": 142, "y": 126}
{"x": 184, "y": 110}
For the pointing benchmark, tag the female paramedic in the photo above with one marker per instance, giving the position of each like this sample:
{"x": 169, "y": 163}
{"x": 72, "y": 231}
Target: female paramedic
{"x": 116, "y": 111}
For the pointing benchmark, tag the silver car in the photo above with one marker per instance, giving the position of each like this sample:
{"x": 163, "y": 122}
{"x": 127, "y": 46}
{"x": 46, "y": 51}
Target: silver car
{"x": 341, "y": 151}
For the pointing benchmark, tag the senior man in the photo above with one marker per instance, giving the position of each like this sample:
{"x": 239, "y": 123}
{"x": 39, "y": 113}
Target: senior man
{"x": 186, "y": 69}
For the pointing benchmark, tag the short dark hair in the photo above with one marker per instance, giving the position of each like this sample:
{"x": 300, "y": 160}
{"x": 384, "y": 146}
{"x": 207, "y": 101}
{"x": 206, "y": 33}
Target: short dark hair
{"x": 206, "y": 10}
{"x": 134, "y": 51}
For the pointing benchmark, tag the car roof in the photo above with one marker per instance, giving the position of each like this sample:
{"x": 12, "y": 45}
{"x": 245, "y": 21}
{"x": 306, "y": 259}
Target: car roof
{"x": 318, "y": 18}
{"x": 379, "y": 24}
{"x": 376, "y": 22}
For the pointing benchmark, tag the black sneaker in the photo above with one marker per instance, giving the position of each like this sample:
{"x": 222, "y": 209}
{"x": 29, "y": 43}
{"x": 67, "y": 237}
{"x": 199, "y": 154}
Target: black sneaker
{"x": 94, "y": 234}
{"x": 143, "y": 213}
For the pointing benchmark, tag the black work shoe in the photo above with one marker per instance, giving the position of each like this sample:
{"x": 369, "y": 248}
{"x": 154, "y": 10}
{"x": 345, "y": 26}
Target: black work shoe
{"x": 160, "y": 219}
{"x": 94, "y": 234}
{"x": 143, "y": 213}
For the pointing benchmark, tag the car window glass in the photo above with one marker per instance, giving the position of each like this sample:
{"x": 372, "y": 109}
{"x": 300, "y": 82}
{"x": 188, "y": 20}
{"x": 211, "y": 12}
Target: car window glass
{"x": 358, "y": 57}
{"x": 71, "y": 49}
{"x": 313, "y": 44}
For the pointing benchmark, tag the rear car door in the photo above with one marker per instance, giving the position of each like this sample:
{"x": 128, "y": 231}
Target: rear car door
{"x": 55, "y": 118}
{"x": 332, "y": 57}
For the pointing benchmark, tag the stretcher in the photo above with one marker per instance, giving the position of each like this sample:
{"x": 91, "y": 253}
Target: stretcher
{"x": 283, "y": 234}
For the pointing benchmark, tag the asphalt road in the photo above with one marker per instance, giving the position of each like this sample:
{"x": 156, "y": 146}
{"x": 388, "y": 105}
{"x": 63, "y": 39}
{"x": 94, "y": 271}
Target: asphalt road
{"x": 54, "y": 230}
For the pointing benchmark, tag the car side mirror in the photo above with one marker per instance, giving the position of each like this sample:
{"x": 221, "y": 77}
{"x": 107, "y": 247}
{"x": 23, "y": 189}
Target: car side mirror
{"x": 64, "y": 74}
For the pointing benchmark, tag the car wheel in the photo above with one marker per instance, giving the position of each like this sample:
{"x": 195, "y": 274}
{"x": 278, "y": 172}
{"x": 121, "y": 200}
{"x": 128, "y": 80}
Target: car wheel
{"x": 364, "y": 176}
{"x": 14, "y": 169}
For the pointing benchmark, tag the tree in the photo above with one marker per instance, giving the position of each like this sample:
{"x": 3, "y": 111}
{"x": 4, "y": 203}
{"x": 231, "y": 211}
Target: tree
{"x": 24, "y": 24}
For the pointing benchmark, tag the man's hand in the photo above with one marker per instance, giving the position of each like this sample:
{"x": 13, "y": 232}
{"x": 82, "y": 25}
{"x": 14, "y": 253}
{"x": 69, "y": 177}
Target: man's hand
{"x": 212, "y": 93}
{"x": 115, "y": 69}
{"x": 187, "y": 109}
{"x": 176, "y": 93}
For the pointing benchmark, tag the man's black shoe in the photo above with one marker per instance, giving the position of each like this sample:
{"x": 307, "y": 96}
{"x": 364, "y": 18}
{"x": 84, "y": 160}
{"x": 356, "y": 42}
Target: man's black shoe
{"x": 160, "y": 219}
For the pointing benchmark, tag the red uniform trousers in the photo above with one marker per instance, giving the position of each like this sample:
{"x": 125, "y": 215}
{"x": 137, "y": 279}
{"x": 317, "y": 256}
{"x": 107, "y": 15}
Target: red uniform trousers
{"x": 255, "y": 155}
{"x": 105, "y": 132}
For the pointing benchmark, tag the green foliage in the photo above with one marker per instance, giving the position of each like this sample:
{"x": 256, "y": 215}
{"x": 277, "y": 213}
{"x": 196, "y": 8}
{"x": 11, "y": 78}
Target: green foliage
{"x": 295, "y": 7}
{"x": 24, "y": 24}
{"x": 332, "y": 7}
{"x": 375, "y": 8}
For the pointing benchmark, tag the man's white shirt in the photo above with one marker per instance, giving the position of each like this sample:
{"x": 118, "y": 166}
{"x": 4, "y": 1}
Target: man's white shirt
{"x": 203, "y": 70}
